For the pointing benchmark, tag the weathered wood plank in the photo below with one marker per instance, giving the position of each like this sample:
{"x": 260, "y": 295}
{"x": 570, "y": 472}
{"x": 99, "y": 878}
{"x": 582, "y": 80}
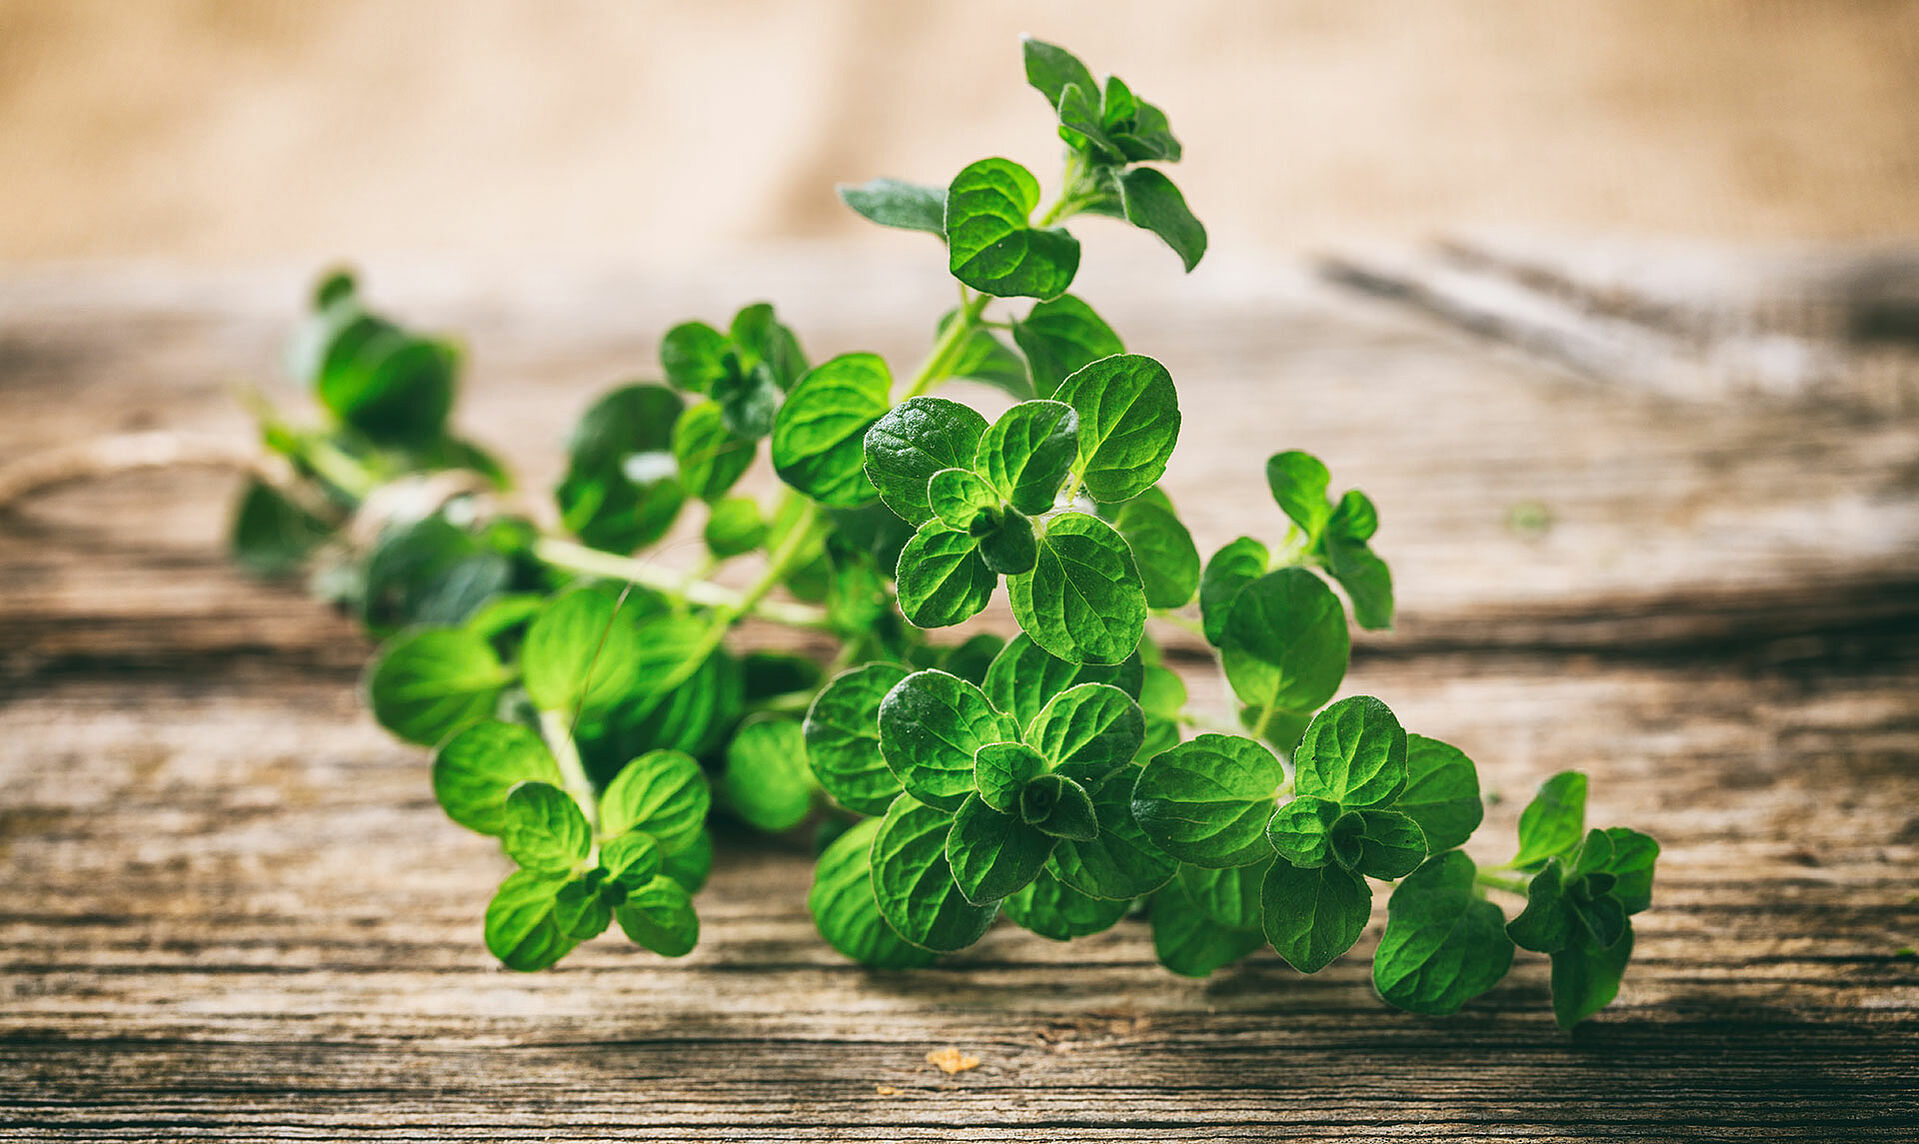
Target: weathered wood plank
{"x": 232, "y": 911}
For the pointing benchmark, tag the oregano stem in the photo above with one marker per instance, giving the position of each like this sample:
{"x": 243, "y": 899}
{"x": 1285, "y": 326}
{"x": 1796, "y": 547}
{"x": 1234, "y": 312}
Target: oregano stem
{"x": 558, "y": 732}
{"x": 939, "y": 362}
{"x": 576, "y": 557}
{"x": 1510, "y": 885}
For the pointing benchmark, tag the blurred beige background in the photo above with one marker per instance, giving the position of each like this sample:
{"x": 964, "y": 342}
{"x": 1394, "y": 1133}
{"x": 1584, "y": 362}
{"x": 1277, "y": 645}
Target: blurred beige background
{"x": 222, "y": 131}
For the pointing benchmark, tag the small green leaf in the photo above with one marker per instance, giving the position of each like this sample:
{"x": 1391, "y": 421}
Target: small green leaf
{"x": 1164, "y": 551}
{"x": 1152, "y": 202}
{"x": 544, "y": 828}
{"x": 991, "y": 243}
{"x": 913, "y": 884}
{"x": 819, "y": 436}
{"x": 1007, "y": 545}
{"x": 734, "y": 527}
{"x": 690, "y": 867}
{"x": 890, "y": 202}
{"x": 394, "y": 387}
{"x": 1546, "y": 924}
{"x": 1049, "y": 68}
{"x": 993, "y": 854}
{"x": 958, "y": 496}
{"x": 1052, "y": 909}
{"x": 931, "y": 725}
{"x": 1298, "y": 481}
{"x": 1586, "y": 979}
{"x": 430, "y": 682}
{"x": 1633, "y": 856}
{"x": 622, "y": 487}
{"x": 1230, "y": 896}
{"x": 1121, "y": 863}
{"x": 843, "y": 739}
{"x": 1302, "y": 831}
{"x": 1189, "y": 942}
{"x": 844, "y": 910}
{"x": 271, "y": 535}
{"x": 429, "y": 572}
{"x": 942, "y": 578}
{"x": 521, "y": 928}
{"x": 711, "y": 457}
{"x": 1083, "y": 601}
{"x": 1444, "y": 944}
{"x": 1128, "y": 423}
{"x": 1088, "y": 732}
{"x": 662, "y": 793}
{"x": 1313, "y": 916}
{"x": 749, "y": 401}
{"x": 660, "y": 916}
{"x": 1002, "y": 770}
{"x": 631, "y": 860}
{"x": 1442, "y": 792}
{"x": 759, "y": 338}
{"x": 1231, "y": 569}
{"x": 1354, "y": 754}
{"x": 1354, "y": 518}
{"x": 1080, "y": 127}
{"x": 1383, "y": 844}
{"x": 1061, "y": 336}
{"x": 579, "y": 909}
{"x": 1553, "y": 822}
{"x": 692, "y": 356}
{"x": 1367, "y": 580}
{"x": 1285, "y": 643}
{"x": 477, "y": 769}
{"x": 915, "y": 439}
{"x": 1024, "y": 677}
{"x": 1059, "y": 807}
{"x": 1027, "y": 452}
{"x": 579, "y": 652}
{"x": 765, "y": 780}
{"x": 1207, "y": 801}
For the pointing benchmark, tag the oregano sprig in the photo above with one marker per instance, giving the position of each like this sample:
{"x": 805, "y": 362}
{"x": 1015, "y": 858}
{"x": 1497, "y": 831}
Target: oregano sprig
{"x": 589, "y": 708}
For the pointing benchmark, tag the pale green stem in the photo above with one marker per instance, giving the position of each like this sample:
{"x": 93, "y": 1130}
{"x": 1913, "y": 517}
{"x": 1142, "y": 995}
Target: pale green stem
{"x": 576, "y": 557}
{"x": 940, "y": 360}
{"x": 1510, "y": 885}
{"x": 558, "y": 731}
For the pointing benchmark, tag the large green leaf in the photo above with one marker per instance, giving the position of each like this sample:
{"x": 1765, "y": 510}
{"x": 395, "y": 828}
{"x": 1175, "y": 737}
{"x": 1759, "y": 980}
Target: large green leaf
{"x": 1024, "y": 677}
{"x": 842, "y": 734}
{"x": 663, "y": 793}
{"x": 913, "y": 885}
{"x": 580, "y": 652}
{"x": 659, "y": 916}
{"x": 992, "y": 246}
{"x": 891, "y": 202}
{"x": 1207, "y": 800}
{"x": 544, "y": 828}
{"x": 1162, "y": 548}
{"x": 1188, "y": 941}
{"x": 1050, "y": 68}
{"x": 1586, "y": 979}
{"x": 1128, "y": 423}
{"x": 1237, "y": 564}
{"x": 1026, "y": 453}
{"x": 622, "y": 486}
{"x": 475, "y": 771}
{"x": 1442, "y": 792}
{"x": 1284, "y": 646}
{"x": 765, "y": 779}
{"x": 1052, "y": 909}
{"x": 430, "y": 682}
{"x": 993, "y": 854}
{"x": 1061, "y": 336}
{"x": 1553, "y": 822}
{"x": 820, "y": 432}
{"x": 1444, "y": 944}
{"x": 1152, "y": 202}
{"x": 1083, "y": 601}
{"x": 845, "y": 911}
{"x": 521, "y": 929}
{"x": 1121, "y": 862}
{"x": 1088, "y": 732}
{"x": 1314, "y": 915}
{"x": 915, "y": 439}
{"x": 1354, "y": 754}
{"x": 931, "y": 725}
{"x": 1298, "y": 482}
{"x": 942, "y": 578}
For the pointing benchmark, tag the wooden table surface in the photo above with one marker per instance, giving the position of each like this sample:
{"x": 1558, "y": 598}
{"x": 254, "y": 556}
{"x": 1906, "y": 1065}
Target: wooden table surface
{"x": 230, "y": 909}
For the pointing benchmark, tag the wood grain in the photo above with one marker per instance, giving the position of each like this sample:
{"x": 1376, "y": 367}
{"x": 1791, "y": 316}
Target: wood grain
{"x": 231, "y": 909}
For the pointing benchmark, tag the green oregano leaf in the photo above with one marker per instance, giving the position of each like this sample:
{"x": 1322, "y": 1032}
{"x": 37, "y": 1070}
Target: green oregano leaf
{"x": 1207, "y": 801}
{"x": 1024, "y": 677}
{"x": 580, "y": 652}
{"x": 1026, "y": 453}
{"x": 622, "y": 488}
{"x": 430, "y": 682}
{"x": 765, "y": 779}
{"x": 1002, "y": 770}
{"x": 1354, "y": 754}
{"x": 844, "y": 909}
{"x": 662, "y": 793}
{"x": 1164, "y": 551}
{"x": 1231, "y": 569}
{"x": 1052, "y": 909}
{"x": 1228, "y": 896}
{"x": 1302, "y": 830}
{"x": 1298, "y": 482}
{"x": 272, "y": 535}
{"x": 579, "y": 909}
{"x": 931, "y": 725}
{"x": 958, "y": 496}
{"x": 1007, "y": 545}
{"x": 1120, "y": 863}
{"x": 993, "y": 246}
{"x": 984, "y": 358}
{"x": 915, "y": 439}
{"x": 1383, "y": 844}
{"x": 820, "y": 432}
{"x": 891, "y": 202}
{"x": 913, "y": 884}
{"x": 1444, "y": 944}
{"x": 1061, "y": 336}
{"x": 692, "y": 355}
{"x": 711, "y": 457}
{"x": 1367, "y": 580}
{"x": 1050, "y": 68}
{"x": 1088, "y": 732}
{"x": 659, "y": 916}
{"x": 475, "y": 771}
{"x": 843, "y": 738}
{"x": 1059, "y": 807}
{"x": 1128, "y": 423}
{"x": 1585, "y": 979}
{"x": 1442, "y": 792}
{"x": 1553, "y": 822}
{"x": 1314, "y": 915}
{"x": 993, "y": 854}
{"x": 521, "y": 927}
{"x": 1189, "y": 942}
{"x": 942, "y": 577}
{"x": 1083, "y": 601}
{"x": 734, "y": 527}
{"x": 1284, "y": 646}
{"x": 544, "y": 828}
{"x": 1152, "y": 202}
